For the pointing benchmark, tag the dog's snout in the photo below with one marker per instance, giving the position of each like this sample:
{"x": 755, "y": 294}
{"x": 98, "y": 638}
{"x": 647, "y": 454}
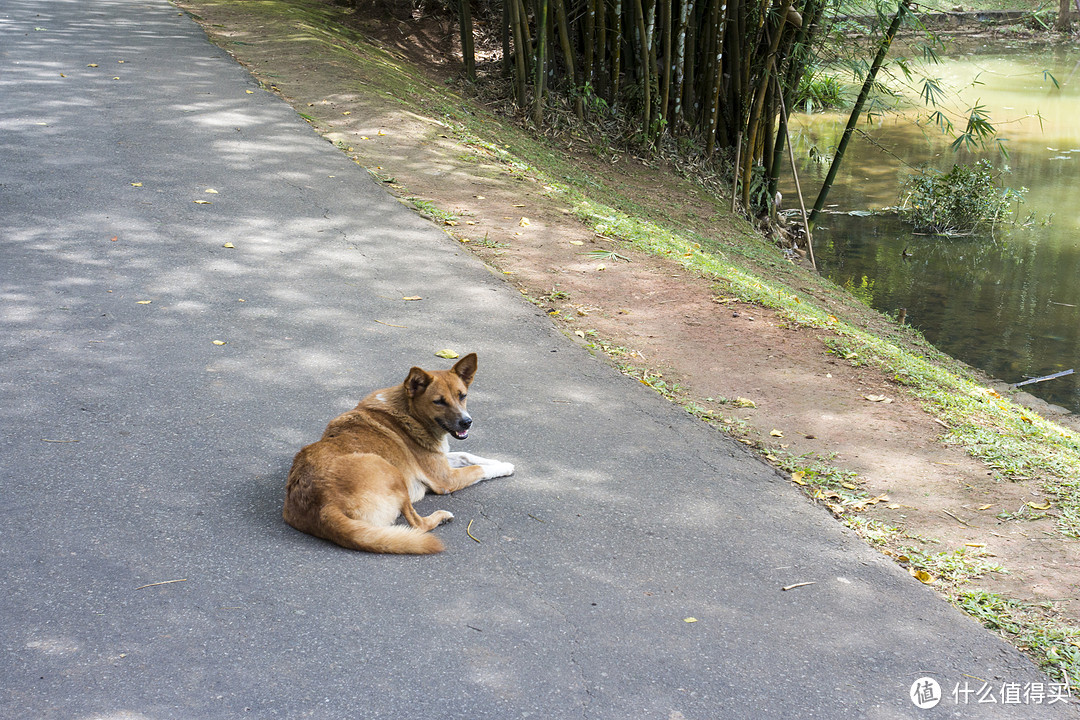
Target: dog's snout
{"x": 464, "y": 422}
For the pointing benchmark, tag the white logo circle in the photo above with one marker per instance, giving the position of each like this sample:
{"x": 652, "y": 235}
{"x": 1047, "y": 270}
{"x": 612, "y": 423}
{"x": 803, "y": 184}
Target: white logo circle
{"x": 925, "y": 693}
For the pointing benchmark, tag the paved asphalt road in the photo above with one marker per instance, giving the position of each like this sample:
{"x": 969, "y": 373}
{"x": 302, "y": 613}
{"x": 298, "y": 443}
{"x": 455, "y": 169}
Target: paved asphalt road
{"x": 147, "y": 571}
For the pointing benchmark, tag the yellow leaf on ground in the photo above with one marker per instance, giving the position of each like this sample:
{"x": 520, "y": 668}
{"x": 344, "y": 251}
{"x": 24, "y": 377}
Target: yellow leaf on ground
{"x": 777, "y": 433}
{"x": 448, "y": 354}
{"x": 136, "y": 184}
{"x": 412, "y": 297}
{"x": 745, "y": 403}
{"x": 202, "y": 202}
{"x": 219, "y": 342}
{"x": 228, "y": 245}
{"x": 797, "y": 477}
{"x": 1044, "y": 506}
{"x": 576, "y": 242}
{"x": 690, "y": 620}
{"x": 878, "y": 398}
{"x": 524, "y": 222}
{"x": 212, "y": 191}
{"x": 143, "y": 302}
{"x": 922, "y": 576}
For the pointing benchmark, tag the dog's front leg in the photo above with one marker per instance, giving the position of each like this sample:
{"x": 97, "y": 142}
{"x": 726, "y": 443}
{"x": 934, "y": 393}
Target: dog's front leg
{"x": 491, "y": 468}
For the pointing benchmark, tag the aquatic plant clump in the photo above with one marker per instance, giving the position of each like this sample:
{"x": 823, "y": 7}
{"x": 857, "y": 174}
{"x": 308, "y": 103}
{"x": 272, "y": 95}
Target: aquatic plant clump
{"x": 957, "y": 202}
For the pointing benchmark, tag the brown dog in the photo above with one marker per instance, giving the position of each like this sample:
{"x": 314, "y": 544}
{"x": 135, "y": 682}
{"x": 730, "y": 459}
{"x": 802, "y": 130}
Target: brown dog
{"x": 376, "y": 460}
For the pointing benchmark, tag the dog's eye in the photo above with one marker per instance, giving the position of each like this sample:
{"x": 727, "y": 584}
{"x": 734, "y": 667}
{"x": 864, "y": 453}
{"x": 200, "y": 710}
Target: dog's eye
{"x": 438, "y": 401}
{"x": 461, "y": 397}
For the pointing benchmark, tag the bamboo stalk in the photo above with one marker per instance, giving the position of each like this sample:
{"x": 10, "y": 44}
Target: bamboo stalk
{"x": 540, "y": 68}
{"x": 665, "y": 84}
{"x": 646, "y": 71}
{"x": 853, "y": 119}
{"x": 754, "y": 122}
{"x": 465, "y": 25}
{"x": 795, "y": 175}
{"x": 520, "y": 49}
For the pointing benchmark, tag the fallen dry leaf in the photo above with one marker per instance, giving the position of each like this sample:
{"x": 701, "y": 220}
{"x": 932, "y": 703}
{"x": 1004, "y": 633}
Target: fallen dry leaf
{"x": 448, "y": 354}
{"x": 777, "y": 433}
{"x": 143, "y": 302}
{"x": 219, "y": 342}
{"x": 201, "y": 202}
{"x": 228, "y": 245}
{"x": 412, "y": 297}
{"x": 690, "y": 620}
{"x": 878, "y": 399}
{"x": 745, "y": 403}
{"x": 922, "y": 576}
{"x": 524, "y": 222}
{"x": 797, "y": 477}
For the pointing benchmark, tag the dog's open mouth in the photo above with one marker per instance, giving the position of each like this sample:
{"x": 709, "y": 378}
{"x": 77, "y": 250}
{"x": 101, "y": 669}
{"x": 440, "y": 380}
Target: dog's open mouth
{"x": 459, "y": 434}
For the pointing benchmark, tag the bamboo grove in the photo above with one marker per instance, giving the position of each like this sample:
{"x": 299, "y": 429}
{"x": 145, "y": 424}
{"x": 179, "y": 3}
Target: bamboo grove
{"x": 713, "y": 72}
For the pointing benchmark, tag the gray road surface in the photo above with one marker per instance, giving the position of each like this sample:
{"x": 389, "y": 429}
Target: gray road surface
{"x": 137, "y": 452}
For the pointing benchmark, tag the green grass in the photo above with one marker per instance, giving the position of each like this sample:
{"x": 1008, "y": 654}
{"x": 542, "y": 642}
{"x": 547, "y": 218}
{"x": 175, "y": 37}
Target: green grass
{"x": 1055, "y": 646}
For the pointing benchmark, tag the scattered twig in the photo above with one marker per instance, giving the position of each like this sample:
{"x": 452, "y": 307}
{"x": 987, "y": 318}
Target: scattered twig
{"x": 165, "y": 582}
{"x": 956, "y": 518}
{"x": 798, "y": 585}
{"x": 1044, "y": 378}
{"x": 468, "y": 531}
{"x": 391, "y": 324}
{"x": 58, "y": 441}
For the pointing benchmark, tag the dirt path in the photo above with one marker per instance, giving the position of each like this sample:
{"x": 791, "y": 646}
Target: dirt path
{"x": 777, "y": 387}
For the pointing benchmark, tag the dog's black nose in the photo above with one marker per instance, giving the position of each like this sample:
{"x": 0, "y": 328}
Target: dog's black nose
{"x": 465, "y": 423}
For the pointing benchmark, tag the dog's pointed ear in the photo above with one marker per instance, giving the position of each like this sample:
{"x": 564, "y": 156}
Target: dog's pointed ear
{"x": 417, "y": 381}
{"x": 465, "y": 368}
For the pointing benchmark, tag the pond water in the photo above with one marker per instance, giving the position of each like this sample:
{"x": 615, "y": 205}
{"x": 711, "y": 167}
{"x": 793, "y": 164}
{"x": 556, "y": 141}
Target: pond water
{"x": 1007, "y": 302}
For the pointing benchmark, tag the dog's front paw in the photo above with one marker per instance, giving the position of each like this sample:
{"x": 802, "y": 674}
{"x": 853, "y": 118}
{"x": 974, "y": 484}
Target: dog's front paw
{"x": 496, "y": 468}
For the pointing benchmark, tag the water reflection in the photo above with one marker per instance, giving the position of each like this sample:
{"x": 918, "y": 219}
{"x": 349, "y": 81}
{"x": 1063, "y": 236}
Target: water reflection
{"x": 1006, "y": 302}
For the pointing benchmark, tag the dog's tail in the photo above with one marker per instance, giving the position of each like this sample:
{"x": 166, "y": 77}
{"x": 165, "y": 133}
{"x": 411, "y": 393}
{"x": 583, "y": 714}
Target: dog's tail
{"x": 355, "y": 534}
